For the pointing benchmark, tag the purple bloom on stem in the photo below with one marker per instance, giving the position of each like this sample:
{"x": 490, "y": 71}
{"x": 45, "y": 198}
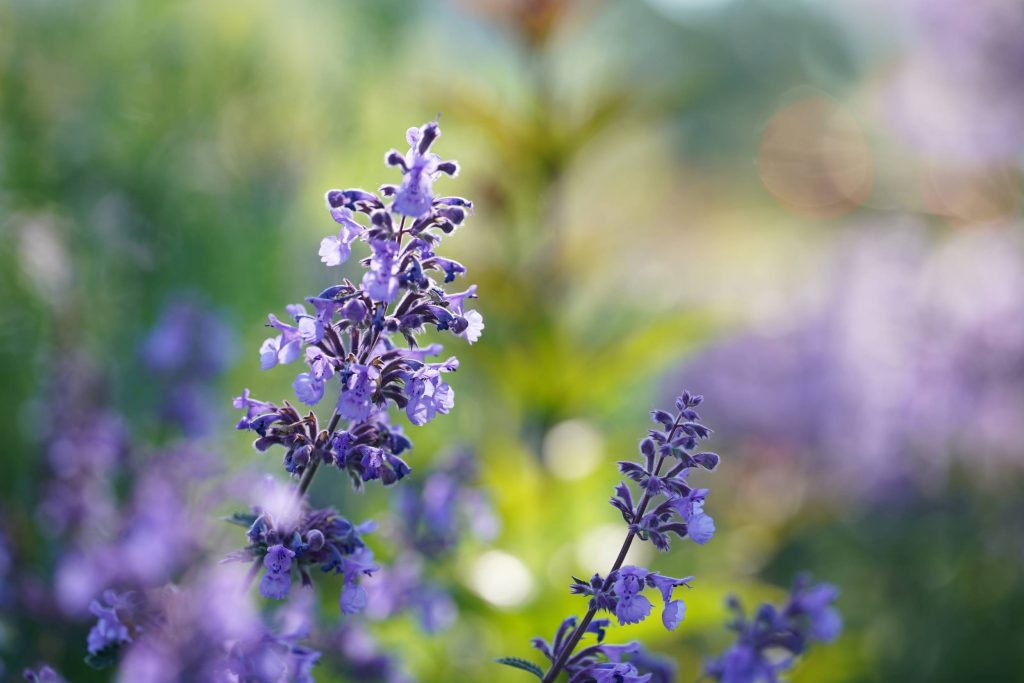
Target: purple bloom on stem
{"x": 354, "y": 310}
{"x": 673, "y": 614}
{"x": 467, "y": 324}
{"x": 251, "y": 406}
{"x": 108, "y": 629}
{"x": 335, "y": 250}
{"x": 428, "y": 394}
{"x": 277, "y": 581}
{"x": 419, "y": 170}
{"x": 632, "y": 609}
{"x": 353, "y": 596}
{"x": 630, "y": 580}
{"x": 816, "y": 603}
{"x": 308, "y": 389}
{"x": 354, "y": 402}
{"x": 320, "y": 366}
{"x": 381, "y": 282}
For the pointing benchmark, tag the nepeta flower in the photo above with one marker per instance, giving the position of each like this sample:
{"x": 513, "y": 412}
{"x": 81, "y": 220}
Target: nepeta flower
{"x": 277, "y": 581}
{"x": 621, "y": 663}
{"x": 381, "y": 282}
{"x": 299, "y": 538}
{"x": 355, "y": 402}
{"x": 770, "y": 643}
{"x": 428, "y": 394}
{"x": 354, "y": 332}
{"x": 335, "y": 250}
{"x": 668, "y": 505}
{"x": 108, "y": 631}
{"x": 419, "y": 171}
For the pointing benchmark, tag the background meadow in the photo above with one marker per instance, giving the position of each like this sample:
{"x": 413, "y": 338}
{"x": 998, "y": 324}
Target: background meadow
{"x": 809, "y": 212}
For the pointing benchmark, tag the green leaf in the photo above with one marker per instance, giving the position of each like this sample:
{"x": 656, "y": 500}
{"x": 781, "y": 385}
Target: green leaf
{"x": 105, "y": 658}
{"x": 517, "y": 663}
{"x": 243, "y": 519}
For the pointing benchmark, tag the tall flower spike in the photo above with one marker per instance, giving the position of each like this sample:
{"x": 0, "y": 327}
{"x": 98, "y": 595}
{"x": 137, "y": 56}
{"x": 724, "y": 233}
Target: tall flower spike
{"x": 361, "y": 359}
{"x": 667, "y": 506}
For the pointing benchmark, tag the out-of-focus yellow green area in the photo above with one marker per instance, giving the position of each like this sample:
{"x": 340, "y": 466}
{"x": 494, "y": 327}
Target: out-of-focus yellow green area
{"x": 650, "y": 178}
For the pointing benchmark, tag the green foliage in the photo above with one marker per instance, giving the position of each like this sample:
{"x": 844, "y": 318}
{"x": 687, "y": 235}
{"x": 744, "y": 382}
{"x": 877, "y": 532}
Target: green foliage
{"x": 517, "y": 663}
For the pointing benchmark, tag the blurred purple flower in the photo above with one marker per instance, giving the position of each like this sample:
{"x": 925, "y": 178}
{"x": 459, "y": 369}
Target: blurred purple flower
{"x": 769, "y": 643}
{"x": 927, "y": 371}
{"x": 108, "y": 630}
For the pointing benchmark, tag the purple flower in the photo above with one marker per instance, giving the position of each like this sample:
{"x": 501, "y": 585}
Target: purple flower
{"x": 611, "y": 673}
{"x": 815, "y": 602}
{"x": 275, "y": 350}
{"x": 467, "y": 324}
{"x": 632, "y": 608}
{"x": 381, "y": 282}
{"x": 307, "y": 389}
{"x": 673, "y": 614}
{"x": 277, "y": 581}
{"x": 419, "y": 170}
{"x": 353, "y": 596}
{"x": 108, "y": 630}
{"x": 763, "y": 643}
{"x": 335, "y": 250}
{"x": 428, "y": 394}
{"x": 354, "y": 402}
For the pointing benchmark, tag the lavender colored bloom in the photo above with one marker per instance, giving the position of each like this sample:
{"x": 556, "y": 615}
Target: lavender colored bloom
{"x": 769, "y": 644}
{"x": 668, "y": 505}
{"x": 353, "y": 596}
{"x": 108, "y": 630}
{"x": 632, "y": 608}
{"x": 366, "y": 332}
{"x": 307, "y": 389}
{"x": 298, "y": 539}
{"x": 673, "y": 614}
{"x": 381, "y": 282}
{"x": 419, "y": 171}
{"x": 354, "y": 402}
{"x": 335, "y": 250}
{"x": 428, "y": 394}
{"x": 277, "y": 581}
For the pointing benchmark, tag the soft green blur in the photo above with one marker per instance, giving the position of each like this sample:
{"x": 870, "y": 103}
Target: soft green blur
{"x": 632, "y": 206}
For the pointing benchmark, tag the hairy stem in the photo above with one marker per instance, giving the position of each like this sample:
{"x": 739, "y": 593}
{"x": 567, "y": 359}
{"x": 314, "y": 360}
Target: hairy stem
{"x": 310, "y": 472}
{"x": 563, "y": 655}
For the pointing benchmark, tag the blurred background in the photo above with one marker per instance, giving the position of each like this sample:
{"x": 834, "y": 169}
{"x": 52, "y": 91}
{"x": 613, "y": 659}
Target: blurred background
{"x": 807, "y": 211}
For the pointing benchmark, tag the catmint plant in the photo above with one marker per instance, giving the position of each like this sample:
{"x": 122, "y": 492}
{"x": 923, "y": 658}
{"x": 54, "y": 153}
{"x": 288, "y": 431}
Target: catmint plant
{"x": 667, "y": 506}
{"x": 359, "y": 346}
{"x": 769, "y": 644}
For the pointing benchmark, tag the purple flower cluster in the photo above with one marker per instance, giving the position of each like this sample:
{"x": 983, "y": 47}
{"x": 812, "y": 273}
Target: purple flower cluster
{"x": 668, "y": 506}
{"x": 293, "y": 541}
{"x": 769, "y": 644}
{"x": 602, "y": 663}
{"x": 348, "y": 340}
